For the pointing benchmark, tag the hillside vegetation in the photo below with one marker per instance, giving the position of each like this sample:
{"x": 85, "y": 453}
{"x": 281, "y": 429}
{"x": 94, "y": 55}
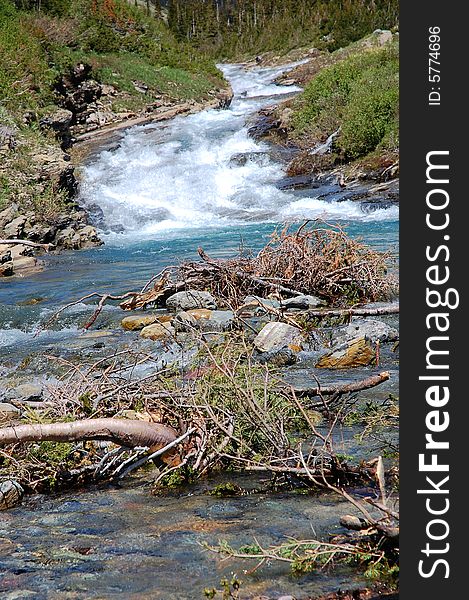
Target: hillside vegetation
{"x": 119, "y": 41}
{"x": 357, "y": 96}
{"x": 241, "y": 28}
{"x": 74, "y": 66}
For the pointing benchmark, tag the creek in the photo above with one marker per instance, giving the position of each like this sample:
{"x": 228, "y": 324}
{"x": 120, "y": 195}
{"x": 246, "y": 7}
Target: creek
{"x": 157, "y": 193}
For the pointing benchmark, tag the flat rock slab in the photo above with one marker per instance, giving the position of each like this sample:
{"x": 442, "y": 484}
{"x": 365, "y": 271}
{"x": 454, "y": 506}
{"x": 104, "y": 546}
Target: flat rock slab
{"x": 27, "y": 392}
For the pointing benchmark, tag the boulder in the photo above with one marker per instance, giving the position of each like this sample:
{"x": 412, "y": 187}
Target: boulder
{"x": 24, "y": 263}
{"x": 6, "y": 269}
{"x": 157, "y": 331}
{"x": 7, "y": 215}
{"x": 279, "y": 358}
{"x": 240, "y": 159}
{"x": 383, "y": 36}
{"x": 15, "y": 228}
{"x": 88, "y": 237}
{"x": 43, "y": 234}
{"x": 372, "y": 330}
{"x": 11, "y": 494}
{"x": 137, "y": 322}
{"x": 59, "y": 121}
{"x": 5, "y": 254}
{"x": 356, "y": 353}
{"x": 303, "y": 302}
{"x": 20, "y": 250}
{"x": 191, "y": 299}
{"x": 64, "y": 237}
{"x": 287, "y": 113}
{"x": 277, "y": 336}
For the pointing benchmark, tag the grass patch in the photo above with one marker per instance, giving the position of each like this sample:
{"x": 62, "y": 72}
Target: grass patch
{"x": 359, "y": 95}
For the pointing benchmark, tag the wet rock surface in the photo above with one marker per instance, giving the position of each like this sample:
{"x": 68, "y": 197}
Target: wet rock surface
{"x": 349, "y": 355}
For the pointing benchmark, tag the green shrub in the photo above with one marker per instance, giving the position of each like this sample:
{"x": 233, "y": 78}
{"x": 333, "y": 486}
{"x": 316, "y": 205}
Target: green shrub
{"x": 359, "y": 94}
{"x": 371, "y": 114}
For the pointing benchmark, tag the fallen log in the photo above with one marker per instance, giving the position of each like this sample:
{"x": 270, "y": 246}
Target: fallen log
{"x": 123, "y": 432}
{"x": 390, "y": 309}
{"x": 13, "y": 242}
{"x": 340, "y": 390}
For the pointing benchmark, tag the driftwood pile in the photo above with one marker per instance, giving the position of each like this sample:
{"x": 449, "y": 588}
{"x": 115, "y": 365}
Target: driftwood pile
{"x": 319, "y": 259}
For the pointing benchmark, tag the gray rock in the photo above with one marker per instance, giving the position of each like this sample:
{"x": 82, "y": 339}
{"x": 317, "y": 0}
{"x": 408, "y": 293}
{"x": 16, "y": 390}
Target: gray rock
{"x": 7, "y": 215}
{"x": 15, "y": 228}
{"x": 8, "y": 411}
{"x": 242, "y": 158}
{"x": 27, "y": 392}
{"x": 41, "y": 233}
{"x": 184, "y": 321}
{"x": 219, "y": 320}
{"x": 277, "y": 336}
{"x": 59, "y": 121}
{"x": 64, "y": 238}
{"x": 11, "y": 494}
{"x": 372, "y": 330}
{"x": 191, "y": 299}
{"x": 303, "y": 302}
{"x": 279, "y": 358}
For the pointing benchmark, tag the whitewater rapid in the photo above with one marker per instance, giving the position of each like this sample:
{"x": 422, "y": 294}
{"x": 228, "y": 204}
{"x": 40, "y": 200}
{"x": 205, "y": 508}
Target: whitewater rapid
{"x": 180, "y": 175}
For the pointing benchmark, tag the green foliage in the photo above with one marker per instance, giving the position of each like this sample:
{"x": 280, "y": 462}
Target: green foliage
{"x": 52, "y": 453}
{"x": 236, "y": 28}
{"x": 50, "y": 204}
{"x": 224, "y": 490}
{"x": 36, "y": 48}
{"x": 359, "y": 94}
{"x": 25, "y": 76}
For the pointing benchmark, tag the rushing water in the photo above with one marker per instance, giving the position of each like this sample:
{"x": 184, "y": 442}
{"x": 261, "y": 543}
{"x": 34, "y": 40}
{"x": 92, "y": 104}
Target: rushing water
{"x": 162, "y": 191}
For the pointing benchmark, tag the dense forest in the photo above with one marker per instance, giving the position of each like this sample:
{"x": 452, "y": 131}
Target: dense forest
{"x": 228, "y": 28}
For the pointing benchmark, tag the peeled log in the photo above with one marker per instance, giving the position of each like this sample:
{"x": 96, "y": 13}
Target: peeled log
{"x": 123, "y": 432}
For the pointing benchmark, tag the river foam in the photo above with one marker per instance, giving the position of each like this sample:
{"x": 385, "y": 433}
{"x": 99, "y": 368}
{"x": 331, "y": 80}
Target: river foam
{"x": 181, "y": 175}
